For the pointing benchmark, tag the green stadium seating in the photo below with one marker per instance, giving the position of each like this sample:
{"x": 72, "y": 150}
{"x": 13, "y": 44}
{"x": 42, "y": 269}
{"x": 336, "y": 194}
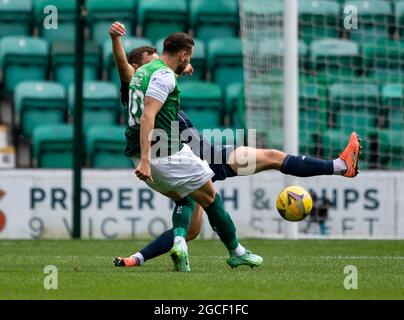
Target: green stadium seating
{"x": 318, "y": 19}
{"x": 384, "y": 61}
{"x": 391, "y": 147}
{"x": 63, "y": 62}
{"x": 225, "y": 61}
{"x": 375, "y": 18}
{"x": 270, "y": 52}
{"x": 393, "y": 106}
{"x": 128, "y": 43}
{"x": 160, "y": 18}
{"x": 399, "y": 13}
{"x": 211, "y": 21}
{"x": 52, "y": 146}
{"x": 335, "y": 60}
{"x": 353, "y": 106}
{"x": 38, "y": 103}
{"x": 106, "y": 146}
{"x": 101, "y": 105}
{"x": 101, "y": 14}
{"x": 15, "y": 17}
{"x": 312, "y": 117}
{"x": 259, "y": 10}
{"x": 203, "y": 102}
{"x": 66, "y": 15}
{"x": 22, "y": 59}
{"x": 198, "y": 60}
{"x": 233, "y": 94}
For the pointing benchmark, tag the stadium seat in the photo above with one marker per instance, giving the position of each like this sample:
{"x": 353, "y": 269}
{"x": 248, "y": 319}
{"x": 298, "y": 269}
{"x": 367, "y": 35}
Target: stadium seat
{"x": 203, "y": 102}
{"x": 198, "y": 60}
{"x": 212, "y": 21}
{"x": 393, "y": 106}
{"x": 225, "y": 61}
{"x": 53, "y": 146}
{"x": 335, "y": 60}
{"x": 384, "y": 61}
{"x": 270, "y": 52}
{"x": 15, "y": 17}
{"x": 399, "y": 13}
{"x": 128, "y": 43}
{"x": 375, "y": 18}
{"x": 318, "y": 19}
{"x": 101, "y": 14}
{"x": 66, "y": 15}
{"x": 391, "y": 149}
{"x": 38, "y": 103}
{"x": 101, "y": 104}
{"x": 63, "y": 62}
{"x": 160, "y": 18}
{"x": 106, "y": 146}
{"x": 23, "y": 59}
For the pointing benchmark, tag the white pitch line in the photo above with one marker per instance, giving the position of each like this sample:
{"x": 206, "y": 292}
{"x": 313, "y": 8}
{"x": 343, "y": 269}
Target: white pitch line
{"x": 363, "y": 257}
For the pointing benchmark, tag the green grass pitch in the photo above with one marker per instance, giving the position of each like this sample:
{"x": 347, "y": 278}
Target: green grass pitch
{"x": 300, "y": 269}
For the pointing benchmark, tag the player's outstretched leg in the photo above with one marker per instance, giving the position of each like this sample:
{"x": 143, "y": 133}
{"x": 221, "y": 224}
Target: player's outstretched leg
{"x": 162, "y": 244}
{"x": 300, "y": 166}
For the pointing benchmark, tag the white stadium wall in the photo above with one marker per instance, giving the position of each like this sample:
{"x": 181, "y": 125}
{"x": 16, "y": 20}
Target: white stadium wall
{"x": 36, "y": 204}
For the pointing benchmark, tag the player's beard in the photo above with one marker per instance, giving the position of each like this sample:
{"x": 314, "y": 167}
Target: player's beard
{"x": 180, "y": 69}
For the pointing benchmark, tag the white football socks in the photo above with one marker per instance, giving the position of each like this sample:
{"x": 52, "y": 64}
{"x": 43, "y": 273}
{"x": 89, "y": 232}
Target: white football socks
{"x": 339, "y": 165}
{"x": 239, "y": 251}
{"x": 139, "y": 257}
{"x": 181, "y": 241}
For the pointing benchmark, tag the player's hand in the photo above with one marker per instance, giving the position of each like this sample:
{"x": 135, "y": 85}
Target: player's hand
{"x": 117, "y": 30}
{"x": 143, "y": 171}
{"x": 189, "y": 70}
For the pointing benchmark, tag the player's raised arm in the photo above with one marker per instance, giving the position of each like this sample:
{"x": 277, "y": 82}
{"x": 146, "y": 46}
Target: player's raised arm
{"x": 125, "y": 70}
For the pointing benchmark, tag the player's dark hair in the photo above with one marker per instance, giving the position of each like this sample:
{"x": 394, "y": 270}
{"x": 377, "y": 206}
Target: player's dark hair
{"x": 136, "y": 55}
{"x": 178, "y": 41}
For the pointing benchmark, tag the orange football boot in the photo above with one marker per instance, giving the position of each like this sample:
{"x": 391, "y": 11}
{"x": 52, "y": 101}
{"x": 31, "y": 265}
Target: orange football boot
{"x": 351, "y": 156}
{"x": 125, "y": 262}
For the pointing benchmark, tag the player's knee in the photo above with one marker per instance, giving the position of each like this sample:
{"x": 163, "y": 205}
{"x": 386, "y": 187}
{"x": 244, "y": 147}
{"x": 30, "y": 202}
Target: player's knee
{"x": 208, "y": 198}
{"x": 275, "y": 158}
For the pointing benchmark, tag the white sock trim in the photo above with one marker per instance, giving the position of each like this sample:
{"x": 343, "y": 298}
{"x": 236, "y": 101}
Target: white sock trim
{"x": 139, "y": 256}
{"x": 339, "y": 165}
{"x": 181, "y": 241}
{"x": 239, "y": 251}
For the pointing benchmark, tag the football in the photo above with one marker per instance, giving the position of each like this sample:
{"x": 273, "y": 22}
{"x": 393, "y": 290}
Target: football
{"x": 294, "y": 203}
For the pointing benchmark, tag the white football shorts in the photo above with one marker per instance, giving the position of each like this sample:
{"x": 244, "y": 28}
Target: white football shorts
{"x": 182, "y": 172}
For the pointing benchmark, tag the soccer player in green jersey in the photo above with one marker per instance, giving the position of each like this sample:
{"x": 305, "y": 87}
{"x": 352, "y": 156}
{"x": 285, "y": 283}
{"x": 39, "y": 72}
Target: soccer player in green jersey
{"x": 167, "y": 165}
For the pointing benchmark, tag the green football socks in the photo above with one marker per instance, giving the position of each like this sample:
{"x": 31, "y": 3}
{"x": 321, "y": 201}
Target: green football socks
{"x": 182, "y": 216}
{"x": 222, "y": 223}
